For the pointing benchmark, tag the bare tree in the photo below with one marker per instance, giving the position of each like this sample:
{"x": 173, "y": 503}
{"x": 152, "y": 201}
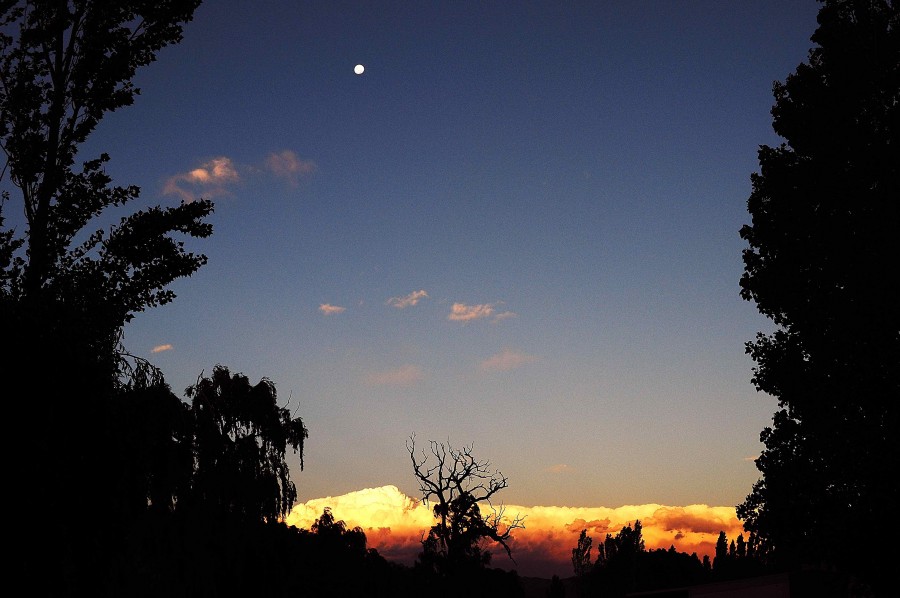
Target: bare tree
{"x": 457, "y": 483}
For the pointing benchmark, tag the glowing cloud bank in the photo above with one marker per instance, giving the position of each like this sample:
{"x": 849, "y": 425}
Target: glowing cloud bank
{"x": 395, "y": 525}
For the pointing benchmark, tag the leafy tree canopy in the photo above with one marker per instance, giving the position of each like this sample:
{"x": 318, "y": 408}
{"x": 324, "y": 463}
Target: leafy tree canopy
{"x": 821, "y": 263}
{"x": 240, "y": 441}
{"x": 63, "y": 66}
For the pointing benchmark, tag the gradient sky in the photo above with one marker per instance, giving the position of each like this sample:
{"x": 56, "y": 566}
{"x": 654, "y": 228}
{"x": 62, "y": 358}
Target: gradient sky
{"x": 517, "y": 228}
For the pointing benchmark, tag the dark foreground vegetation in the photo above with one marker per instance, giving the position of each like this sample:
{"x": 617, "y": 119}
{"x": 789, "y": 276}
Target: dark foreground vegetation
{"x": 118, "y": 487}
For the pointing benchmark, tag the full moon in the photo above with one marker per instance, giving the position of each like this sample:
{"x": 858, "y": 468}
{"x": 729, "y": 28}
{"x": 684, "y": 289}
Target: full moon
{"x": 358, "y": 69}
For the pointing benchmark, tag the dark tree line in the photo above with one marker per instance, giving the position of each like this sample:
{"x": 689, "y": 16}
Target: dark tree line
{"x": 623, "y": 564}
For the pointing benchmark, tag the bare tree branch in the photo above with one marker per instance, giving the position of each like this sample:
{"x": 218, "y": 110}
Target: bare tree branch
{"x": 458, "y": 485}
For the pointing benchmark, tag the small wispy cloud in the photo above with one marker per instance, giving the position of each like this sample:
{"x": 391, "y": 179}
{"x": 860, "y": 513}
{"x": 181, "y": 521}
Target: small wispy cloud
{"x": 461, "y": 312}
{"x": 506, "y": 360}
{"x": 405, "y": 375}
{"x": 215, "y": 177}
{"x": 209, "y": 180}
{"x": 287, "y": 165}
{"x": 751, "y": 459}
{"x": 505, "y": 316}
{"x": 408, "y": 300}
{"x": 161, "y": 348}
{"x": 331, "y": 310}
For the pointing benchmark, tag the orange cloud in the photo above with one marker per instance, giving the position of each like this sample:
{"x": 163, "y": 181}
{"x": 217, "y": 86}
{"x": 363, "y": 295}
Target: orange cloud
{"x": 288, "y": 166}
{"x": 209, "y": 180}
{"x": 161, "y": 348}
{"x": 405, "y": 375}
{"x": 594, "y": 526}
{"x": 395, "y": 525}
{"x": 506, "y": 360}
{"x": 330, "y": 310}
{"x": 407, "y": 301}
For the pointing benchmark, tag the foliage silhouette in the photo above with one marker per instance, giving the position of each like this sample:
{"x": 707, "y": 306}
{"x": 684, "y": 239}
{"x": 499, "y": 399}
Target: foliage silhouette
{"x": 66, "y": 291}
{"x": 63, "y": 67}
{"x": 624, "y": 566}
{"x": 240, "y": 440}
{"x": 824, "y": 220}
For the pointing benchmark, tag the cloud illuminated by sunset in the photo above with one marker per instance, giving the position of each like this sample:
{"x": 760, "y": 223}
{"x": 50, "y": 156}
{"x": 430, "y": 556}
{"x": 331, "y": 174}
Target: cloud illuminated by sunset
{"x": 408, "y": 300}
{"x": 405, "y": 375}
{"x": 209, "y": 180}
{"x": 161, "y": 348}
{"x": 330, "y": 310}
{"x": 395, "y": 525}
{"x": 287, "y": 165}
{"x": 506, "y": 360}
{"x": 460, "y": 312}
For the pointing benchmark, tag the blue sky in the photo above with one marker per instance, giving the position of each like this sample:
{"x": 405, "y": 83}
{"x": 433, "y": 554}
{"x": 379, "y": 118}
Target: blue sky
{"x": 571, "y": 176}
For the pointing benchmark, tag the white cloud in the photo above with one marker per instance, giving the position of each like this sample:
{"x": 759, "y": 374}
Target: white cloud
{"x": 506, "y": 360}
{"x": 460, "y": 312}
{"x": 405, "y": 375}
{"x": 407, "y": 301}
{"x": 209, "y": 180}
{"x": 330, "y": 310}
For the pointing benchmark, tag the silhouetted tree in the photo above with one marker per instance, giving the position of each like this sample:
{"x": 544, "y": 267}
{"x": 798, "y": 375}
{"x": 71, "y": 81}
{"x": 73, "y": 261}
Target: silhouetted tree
{"x": 581, "y": 554}
{"x": 615, "y": 571}
{"x": 63, "y": 65}
{"x": 66, "y": 291}
{"x": 821, "y": 264}
{"x": 240, "y": 439}
{"x": 457, "y": 485}
{"x": 721, "y": 550}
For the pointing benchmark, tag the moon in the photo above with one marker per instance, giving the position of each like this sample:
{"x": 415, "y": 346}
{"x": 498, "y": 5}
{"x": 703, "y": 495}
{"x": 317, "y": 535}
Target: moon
{"x": 358, "y": 69}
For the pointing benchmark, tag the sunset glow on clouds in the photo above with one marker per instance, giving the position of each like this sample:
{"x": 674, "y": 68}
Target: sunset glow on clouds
{"x": 209, "y": 180}
{"x": 330, "y": 310}
{"x": 407, "y": 301}
{"x": 215, "y": 177}
{"x": 460, "y": 312}
{"x": 395, "y": 525}
{"x": 161, "y": 348}
{"x": 405, "y": 375}
{"x": 287, "y": 165}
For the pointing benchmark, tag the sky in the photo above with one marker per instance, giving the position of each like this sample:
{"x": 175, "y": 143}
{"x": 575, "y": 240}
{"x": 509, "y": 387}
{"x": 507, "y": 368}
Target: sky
{"x": 517, "y": 228}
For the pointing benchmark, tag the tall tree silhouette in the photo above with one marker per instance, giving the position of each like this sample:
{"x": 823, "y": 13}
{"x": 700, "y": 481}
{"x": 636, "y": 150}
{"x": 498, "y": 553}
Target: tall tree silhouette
{"x": 66, "y": 291}
{"x": 821, "y": 264}
{"x": 63, "y": 66}
{"x": 240, "y": 441}
{"x": 458, "y": 484}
